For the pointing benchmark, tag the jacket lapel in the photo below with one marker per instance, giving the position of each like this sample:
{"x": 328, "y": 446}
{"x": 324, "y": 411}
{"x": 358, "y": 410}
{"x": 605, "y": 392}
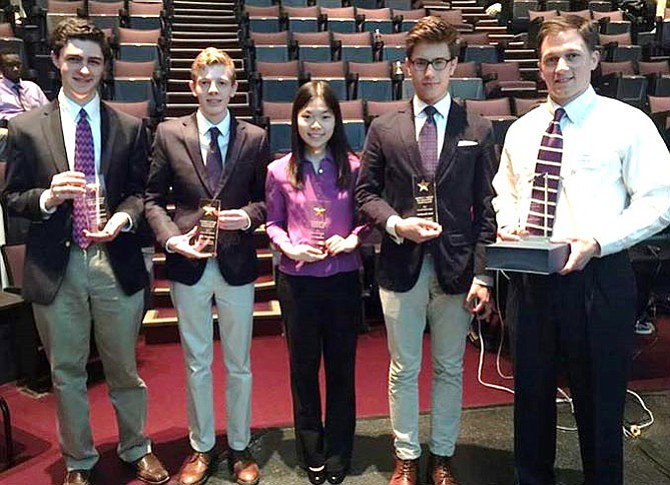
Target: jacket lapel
{"x": 192, "y": 142}
{"x": 455, "y": 125}
{"x": 408, "y": 138}
{"x": 107, "y": 136}
{"x": 53, "y": 130}
{"x": 235, "y": 144}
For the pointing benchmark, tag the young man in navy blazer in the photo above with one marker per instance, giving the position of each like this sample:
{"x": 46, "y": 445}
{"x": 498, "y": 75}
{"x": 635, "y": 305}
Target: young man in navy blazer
{"x": 210, "y": 155}
{"x": 430, "y": 271}
{"x": 78, "y": 277}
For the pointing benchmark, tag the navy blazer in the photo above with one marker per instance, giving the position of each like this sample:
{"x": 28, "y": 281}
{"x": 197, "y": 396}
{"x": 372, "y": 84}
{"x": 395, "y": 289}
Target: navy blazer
{"x": 36, "y": 152}
{"x": 390, "y": 163}
{"x": 177, "y": 164}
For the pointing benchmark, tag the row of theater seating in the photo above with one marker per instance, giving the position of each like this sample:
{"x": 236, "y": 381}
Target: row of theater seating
{"x": 139, "y": 55}
{"x": 369, "y": 4}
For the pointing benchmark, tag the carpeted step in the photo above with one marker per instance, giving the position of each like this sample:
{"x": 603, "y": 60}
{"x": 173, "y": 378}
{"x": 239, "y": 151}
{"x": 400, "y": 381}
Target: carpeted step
{"x": 160, "y": 324}
{"x": 182, "y": 25}
{"x": 264, "y": 290}
{"x": 200, "y": 20}
{"x": 196, "y": 5}
{"x": 190, "y": 53}
{"x": 226, "y": 44}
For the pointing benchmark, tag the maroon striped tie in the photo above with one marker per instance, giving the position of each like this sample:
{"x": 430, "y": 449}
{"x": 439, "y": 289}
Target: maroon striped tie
{"x": 547, "y": 175}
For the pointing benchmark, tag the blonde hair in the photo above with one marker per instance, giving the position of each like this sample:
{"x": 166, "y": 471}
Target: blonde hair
{"x": 211, "y": 56}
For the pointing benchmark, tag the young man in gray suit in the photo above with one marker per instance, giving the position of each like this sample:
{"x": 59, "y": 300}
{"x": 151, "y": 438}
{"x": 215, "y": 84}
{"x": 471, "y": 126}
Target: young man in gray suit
{"x": 211, "y": 156}
{"x": 78, "y": 275}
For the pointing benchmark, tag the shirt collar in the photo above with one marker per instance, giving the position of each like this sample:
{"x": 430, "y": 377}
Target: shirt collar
{"x": 204, "y": 124}
{"x": 442, "y": 106}
{"x": 327, "y": 158}
{"x": 577, "y": 109}
{"x": 72, "y": 109}
{"x": 10, "y": 84}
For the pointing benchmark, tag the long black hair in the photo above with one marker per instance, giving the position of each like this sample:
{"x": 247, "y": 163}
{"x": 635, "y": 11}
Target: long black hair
{"x": 337, "y": 145}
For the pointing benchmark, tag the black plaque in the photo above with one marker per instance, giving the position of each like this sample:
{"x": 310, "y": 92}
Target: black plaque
{"x": 208, "y": 225}
{"x": 425, "y": 198}
{"x": 96, "y": 209}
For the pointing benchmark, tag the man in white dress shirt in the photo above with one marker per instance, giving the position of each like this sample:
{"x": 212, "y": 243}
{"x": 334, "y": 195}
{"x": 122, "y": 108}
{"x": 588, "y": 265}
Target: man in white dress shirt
{"x": 613, "y": 191}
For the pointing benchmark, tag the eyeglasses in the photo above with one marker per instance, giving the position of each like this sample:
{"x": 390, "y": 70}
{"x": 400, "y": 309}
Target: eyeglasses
{"x": 439, "y": 63}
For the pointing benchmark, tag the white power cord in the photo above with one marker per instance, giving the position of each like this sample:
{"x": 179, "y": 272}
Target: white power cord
{"x": 631, "y": 431}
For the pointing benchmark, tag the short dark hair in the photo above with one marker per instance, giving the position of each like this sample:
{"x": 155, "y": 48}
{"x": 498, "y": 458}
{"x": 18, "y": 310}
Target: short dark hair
{"x": 78, "y": 28}
{"x": 433, "y": 30}
{"x": 564, "y": 23}
{"x": 337, "y": 145}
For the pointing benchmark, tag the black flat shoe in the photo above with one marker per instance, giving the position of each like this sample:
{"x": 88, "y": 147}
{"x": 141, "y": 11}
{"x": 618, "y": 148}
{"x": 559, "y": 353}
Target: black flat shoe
{"x": 336, "y": 477}
{"x": 317, "y": 477}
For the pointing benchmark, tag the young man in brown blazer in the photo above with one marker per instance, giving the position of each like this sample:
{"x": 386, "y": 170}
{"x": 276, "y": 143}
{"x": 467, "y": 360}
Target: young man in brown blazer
{"x": 77, "y": 276}
{"x": 430, "y": 271}
{"x": 206, "y": 156}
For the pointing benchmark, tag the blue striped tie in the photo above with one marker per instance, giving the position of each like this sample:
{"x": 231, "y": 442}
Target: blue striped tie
{"x": 547, "y": 175}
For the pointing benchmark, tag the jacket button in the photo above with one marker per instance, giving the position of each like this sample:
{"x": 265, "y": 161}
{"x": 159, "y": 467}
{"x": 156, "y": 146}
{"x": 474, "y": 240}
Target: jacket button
{"x": 67, "y": 244}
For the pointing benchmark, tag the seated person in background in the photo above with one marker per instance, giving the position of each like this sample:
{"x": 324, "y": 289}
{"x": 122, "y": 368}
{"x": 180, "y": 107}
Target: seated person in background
{"x": 16, "y": 95}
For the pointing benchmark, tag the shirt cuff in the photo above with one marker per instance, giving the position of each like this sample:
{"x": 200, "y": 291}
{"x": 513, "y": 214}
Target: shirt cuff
{"x": 390, "y": 228}
{"x": 483, "y": 280}
{"x": 248, "y": 225}
{"x": 167, "y": 245}
{"x": 129, "y": 225}
{"x": 46, "y": 213}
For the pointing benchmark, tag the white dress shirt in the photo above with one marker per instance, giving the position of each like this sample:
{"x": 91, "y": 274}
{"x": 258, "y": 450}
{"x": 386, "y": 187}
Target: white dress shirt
{"x": 615, "y": 173}
{"x": 69, "y": 115}
{"x": 204, "y": 126}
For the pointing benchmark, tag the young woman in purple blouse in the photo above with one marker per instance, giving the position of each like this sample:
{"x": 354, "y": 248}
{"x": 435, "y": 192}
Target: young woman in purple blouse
{"x": 311, "y": 220}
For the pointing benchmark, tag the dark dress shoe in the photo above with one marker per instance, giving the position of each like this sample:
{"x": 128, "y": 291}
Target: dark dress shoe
{"x": 316, "y": 477}
{"x": 439, "y": 468}
{"x": 197, "y": 468}
{"x": 243, "y": 467}
{"x": 336, "y": 476}
{"x": 78, "y": 477}
{"x": 149, "y": 469}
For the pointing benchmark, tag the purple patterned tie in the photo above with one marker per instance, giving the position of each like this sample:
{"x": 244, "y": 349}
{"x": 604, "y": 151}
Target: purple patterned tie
{"x": 547, "y": 175}
{"x": 428, "y": 141}
{"x": 84, "y": 161}
{"x": 214, "y": 160}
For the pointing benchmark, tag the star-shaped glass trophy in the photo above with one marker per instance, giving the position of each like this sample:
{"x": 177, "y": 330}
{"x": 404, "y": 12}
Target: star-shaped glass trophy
{"x": 208, "y": 225}
{"x": 425, "y": 198}
{"x": 96, "y": 208}
{"x": 535, "y": 252}
{"x": 318, "y": 222}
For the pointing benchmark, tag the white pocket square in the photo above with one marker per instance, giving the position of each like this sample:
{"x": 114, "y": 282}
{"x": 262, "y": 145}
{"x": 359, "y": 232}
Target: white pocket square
{"x": 467, "y": 143}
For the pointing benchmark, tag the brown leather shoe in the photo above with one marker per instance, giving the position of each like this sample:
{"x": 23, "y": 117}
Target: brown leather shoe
{"x": 78, "y": 477}
{"x": 405, "y": 472}
{"x": 244, "y": 467}
{"x": 440, "y": 470}
{"x": 149, "y": 469}
{"x": 197, "y": 468}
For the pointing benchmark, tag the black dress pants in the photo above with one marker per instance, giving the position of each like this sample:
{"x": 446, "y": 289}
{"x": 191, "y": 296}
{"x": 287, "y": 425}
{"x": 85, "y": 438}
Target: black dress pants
{"x": 322, "y": 317}
{"x": 583, "y": 323}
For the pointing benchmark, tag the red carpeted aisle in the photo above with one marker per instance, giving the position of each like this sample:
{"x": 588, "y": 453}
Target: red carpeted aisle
{"x": 162, "y": 368}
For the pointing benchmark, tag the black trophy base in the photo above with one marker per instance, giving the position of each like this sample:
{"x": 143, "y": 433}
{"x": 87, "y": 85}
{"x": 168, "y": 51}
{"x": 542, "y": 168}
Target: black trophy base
{"x": 533, "y": 254}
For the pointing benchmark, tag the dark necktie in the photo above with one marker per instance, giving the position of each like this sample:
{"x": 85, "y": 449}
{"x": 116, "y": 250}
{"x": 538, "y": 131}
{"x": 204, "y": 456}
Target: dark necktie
{"x": 547, "y": 175}
{"x": 17, "y": 89}
{"x": 428, "y": 141}
{"x": 84, "y": 161}
{"x": 214, "y": 160}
